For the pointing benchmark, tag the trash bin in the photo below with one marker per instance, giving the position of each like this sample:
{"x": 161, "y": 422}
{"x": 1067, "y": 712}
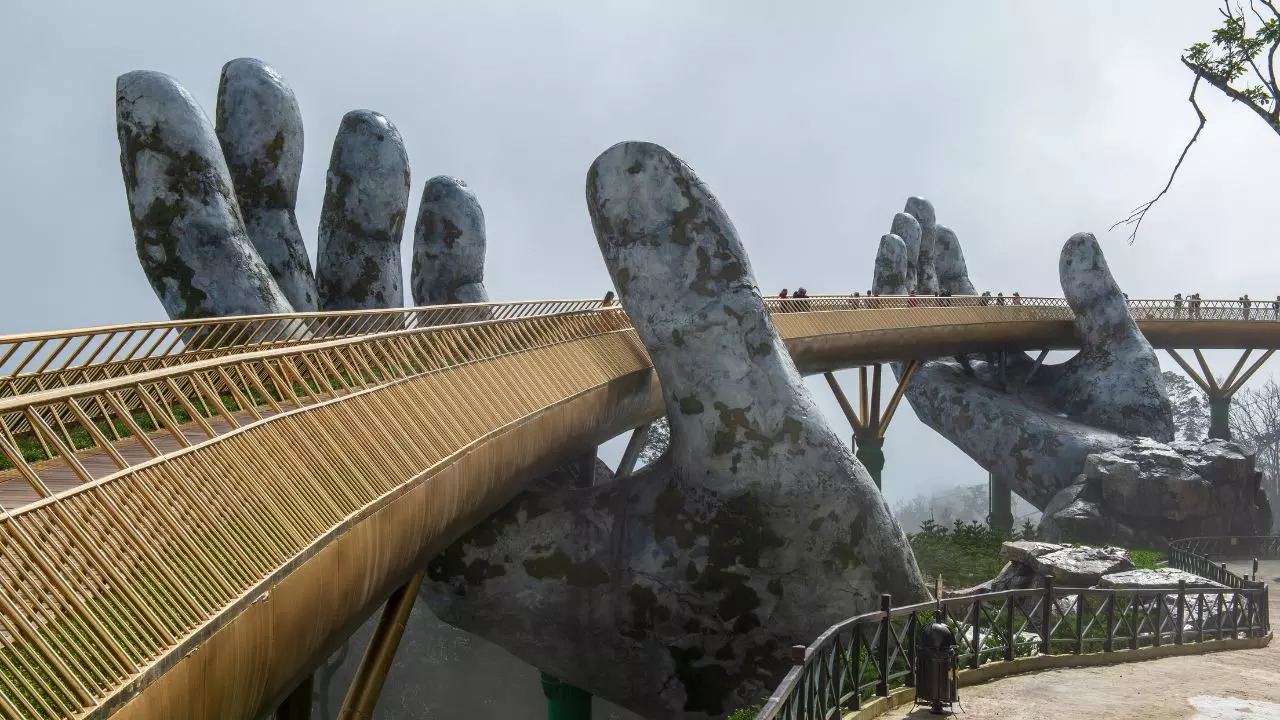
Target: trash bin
{"x": 936, "y": 668}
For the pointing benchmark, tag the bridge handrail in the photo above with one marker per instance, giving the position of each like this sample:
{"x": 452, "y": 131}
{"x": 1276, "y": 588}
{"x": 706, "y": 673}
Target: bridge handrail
{"x": 30, "y": 362}
{"x": 176, "y": 397}
{"x": 49, "y": 359}
{"x": 98, "y": 581}
{"x": 1196, "y": 555}
{"x": 873, "y": 654}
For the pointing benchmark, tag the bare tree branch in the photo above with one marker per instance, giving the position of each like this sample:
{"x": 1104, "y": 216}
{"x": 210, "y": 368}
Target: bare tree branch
{"x": 1136, "y": 216}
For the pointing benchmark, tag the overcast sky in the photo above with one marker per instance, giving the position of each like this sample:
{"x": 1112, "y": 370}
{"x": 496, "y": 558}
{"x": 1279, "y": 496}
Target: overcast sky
{"x": 811, "y": 121}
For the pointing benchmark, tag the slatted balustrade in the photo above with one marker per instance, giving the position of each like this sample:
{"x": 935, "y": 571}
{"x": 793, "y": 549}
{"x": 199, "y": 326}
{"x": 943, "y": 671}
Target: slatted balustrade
{"x": 31, "y": 362}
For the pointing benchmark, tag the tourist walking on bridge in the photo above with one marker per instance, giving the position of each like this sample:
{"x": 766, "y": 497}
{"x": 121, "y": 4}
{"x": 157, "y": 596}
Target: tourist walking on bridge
{"x": 1017, "y": 299}
{"x": 1245, "y": 302}
{"x": 1177, "y": 305}
{"x": 1194, "y": 304}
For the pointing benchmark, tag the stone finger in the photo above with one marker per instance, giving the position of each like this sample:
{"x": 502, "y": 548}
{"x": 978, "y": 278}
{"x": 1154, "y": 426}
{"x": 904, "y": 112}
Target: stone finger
{"x": 187, "y": 224}
{"x": 891, "y": 274}
{"x": 260, "y": 128}
{"x": 926, "y": 272}
{"x": 907, "y": 228}
{"x": 362, "y": 221}
{"x": 953, "y": 273}
{"x": 448, "y": 245}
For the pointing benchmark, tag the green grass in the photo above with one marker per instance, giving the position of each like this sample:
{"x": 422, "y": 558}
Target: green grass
{"x": 966, "y": 554}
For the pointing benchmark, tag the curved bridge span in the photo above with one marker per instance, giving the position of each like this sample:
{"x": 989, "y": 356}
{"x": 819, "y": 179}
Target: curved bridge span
{"x": 189, "y": 529}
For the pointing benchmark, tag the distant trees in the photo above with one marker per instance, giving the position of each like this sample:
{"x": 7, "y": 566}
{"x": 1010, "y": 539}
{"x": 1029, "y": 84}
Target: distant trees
{"x": 1190, "y": 407}
{"x": 657, "y": 442}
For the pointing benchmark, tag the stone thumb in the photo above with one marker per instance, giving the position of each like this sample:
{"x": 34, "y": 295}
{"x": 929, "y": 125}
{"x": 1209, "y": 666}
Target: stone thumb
{"x": 687, "y": 284}
{"x": 1102, "y": 312}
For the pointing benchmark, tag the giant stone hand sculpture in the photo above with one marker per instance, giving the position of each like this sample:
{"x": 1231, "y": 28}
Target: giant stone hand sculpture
{"x": 1087, "y": 441}
{"x": 676, "y": 591}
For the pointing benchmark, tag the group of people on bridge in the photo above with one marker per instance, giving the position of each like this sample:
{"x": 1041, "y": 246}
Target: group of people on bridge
{"x": 1193, "y": 303}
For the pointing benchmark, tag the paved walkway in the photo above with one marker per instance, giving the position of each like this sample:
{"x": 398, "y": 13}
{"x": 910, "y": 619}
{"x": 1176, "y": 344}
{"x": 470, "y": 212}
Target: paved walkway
{"x": 1216, "y": 686}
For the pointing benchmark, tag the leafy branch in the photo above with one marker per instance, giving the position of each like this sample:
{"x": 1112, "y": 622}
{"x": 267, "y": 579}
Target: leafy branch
{"x": 1233, "y": 63}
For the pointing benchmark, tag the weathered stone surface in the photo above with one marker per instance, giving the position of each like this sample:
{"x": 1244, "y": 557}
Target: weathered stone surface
{"x": 908, "y": 228}
{"x": 362, "y": 221}
{"x": 1114, "y": 382}
{"x": 259, "y": 127}
{"x": 1039, "y": 433}
{"x": 1081, "y": 566}
{"x": 191, "y": 241}
{"x": 926, "y": 270}
{"x": 1151, "y": 492}
{"x": 953, "y": 273}
{"x": 1025, "y": 551}
{"x": 1159, "y": 578}
{"x": 891, "y": 268}
{"x": 676, "y": 592}
{"x": 448, "y": 245}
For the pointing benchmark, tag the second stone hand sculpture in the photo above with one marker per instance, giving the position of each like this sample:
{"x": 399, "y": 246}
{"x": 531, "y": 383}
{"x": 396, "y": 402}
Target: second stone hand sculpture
{"x": 1084, "y": 440}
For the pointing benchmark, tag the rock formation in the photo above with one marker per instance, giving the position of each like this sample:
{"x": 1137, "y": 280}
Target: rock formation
{"x": 1054, "y": 437}
{"x": 675, "y": 592}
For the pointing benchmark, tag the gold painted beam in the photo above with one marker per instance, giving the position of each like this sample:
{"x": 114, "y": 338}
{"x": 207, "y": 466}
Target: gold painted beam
{"x": 370, "y": 676}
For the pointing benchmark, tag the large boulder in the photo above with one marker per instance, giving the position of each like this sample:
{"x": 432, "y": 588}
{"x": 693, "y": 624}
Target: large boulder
{"x": 1156, "y": 579}
{"x": 1150, "y": 492}
{"x": 1081, "y": 566}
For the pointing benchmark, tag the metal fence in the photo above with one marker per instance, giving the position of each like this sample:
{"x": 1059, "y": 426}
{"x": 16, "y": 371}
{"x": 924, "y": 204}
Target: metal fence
{"x": 875, "y": 653}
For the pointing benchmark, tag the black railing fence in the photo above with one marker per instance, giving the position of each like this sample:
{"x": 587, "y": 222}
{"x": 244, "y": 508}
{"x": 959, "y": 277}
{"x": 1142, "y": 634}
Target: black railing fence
{"x": 873, "y": 654}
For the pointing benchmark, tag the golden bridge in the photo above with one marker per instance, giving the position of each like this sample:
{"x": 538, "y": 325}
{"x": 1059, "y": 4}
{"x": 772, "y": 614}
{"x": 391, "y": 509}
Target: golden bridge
{"x": 196, "y": 513}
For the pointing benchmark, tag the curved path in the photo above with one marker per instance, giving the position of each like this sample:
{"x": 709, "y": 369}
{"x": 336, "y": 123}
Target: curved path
{"x": 1236, "y": 684}
{"x": 201, "y": 565}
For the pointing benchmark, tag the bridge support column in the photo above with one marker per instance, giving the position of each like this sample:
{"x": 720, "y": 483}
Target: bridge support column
{"x": 583, "y": 469}
{"x": 366, "y": 686}
{"x": 1220, "y": 393}
{"x": 999, "y": 504}
{"x": 869, "y": 424}
{"x": 565, "y": 701}
{"x": 639, "y": 437}
{"x": 298, "y": 705}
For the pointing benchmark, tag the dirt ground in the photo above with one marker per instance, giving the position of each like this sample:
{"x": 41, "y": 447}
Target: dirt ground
{"x": 1216, "y": 686}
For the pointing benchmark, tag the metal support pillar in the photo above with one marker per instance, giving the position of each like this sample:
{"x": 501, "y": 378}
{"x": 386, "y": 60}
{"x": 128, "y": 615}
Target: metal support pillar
{"x": 639, "y": 437}
{"x": 366, "y": 686}
{"x": 1220, "y": 393}
{"x": 868, "y": 423}
{"x": 565, "y": 701}
{"x": 999, "y": 504}
{"x": 869, "y": 450}
{"x": 298, "y": 705}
